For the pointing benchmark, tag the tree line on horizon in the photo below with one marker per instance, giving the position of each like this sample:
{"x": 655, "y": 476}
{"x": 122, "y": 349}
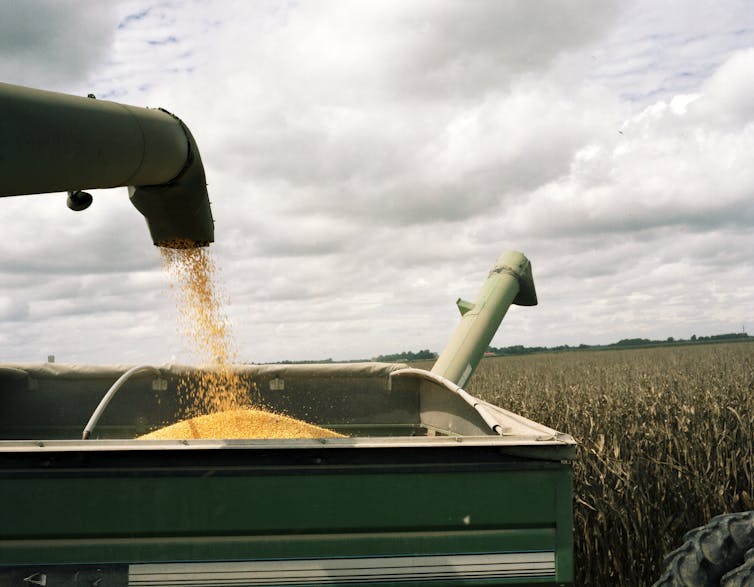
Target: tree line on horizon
{"x": 623, "y": 343}
{"x": 428, "y": 355}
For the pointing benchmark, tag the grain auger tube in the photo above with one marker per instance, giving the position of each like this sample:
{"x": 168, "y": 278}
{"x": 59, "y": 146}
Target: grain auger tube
{"x": 52, "y": 142}
{"x": 509, "y": 282}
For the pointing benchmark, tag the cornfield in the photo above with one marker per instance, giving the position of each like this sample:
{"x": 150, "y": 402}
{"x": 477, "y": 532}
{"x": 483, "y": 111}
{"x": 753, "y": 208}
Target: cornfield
{"x": 666, "y": 442}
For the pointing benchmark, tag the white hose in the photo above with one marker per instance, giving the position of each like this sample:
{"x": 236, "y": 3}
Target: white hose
{"x": 109, "y": 395}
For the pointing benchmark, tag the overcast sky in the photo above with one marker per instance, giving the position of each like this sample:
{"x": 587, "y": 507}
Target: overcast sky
{"x": 368, "y": 162}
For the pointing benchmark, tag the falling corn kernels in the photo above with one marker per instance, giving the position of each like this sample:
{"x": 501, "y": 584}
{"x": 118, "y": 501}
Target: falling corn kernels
{"x": 215, "y": 400}
{"x": 206, "y": 328}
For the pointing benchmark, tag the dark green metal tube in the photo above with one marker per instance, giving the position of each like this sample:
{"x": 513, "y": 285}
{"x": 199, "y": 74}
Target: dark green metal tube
{"x": 52, "y": 142}
{"x": 509, "y": 282}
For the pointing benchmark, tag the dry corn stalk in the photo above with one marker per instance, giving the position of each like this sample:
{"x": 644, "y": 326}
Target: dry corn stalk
{"x": 666, "y": 436}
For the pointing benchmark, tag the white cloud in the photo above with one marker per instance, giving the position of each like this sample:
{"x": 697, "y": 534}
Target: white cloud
{"x": 660, "y": 49}
{"x": 367, "y": 162}
{"x": 669, "y": 166}
{"x": 727, "y": 104}
{"x": 53, "y": 42}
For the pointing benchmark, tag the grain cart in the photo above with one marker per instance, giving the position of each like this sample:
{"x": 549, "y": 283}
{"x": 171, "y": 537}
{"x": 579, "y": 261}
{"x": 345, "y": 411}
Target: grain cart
{"x": 429, "y": 486}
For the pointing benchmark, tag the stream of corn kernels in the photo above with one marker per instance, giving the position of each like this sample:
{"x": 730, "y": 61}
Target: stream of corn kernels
{"x": 215, "y": 402}
{"x": 204, "y": 325}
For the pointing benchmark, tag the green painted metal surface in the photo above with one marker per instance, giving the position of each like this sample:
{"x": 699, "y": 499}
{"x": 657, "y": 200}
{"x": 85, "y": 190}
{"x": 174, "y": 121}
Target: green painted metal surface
{"x": 467, "y": 505}
{"x": 253, "y": 505}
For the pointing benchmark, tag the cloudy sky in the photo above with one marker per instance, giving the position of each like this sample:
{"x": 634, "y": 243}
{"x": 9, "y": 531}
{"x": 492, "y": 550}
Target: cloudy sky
{"x": 368, "y": 162}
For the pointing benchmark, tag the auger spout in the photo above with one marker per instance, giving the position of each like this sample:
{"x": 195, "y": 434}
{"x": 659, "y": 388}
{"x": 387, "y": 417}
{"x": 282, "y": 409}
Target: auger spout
{"x": 53, "y": 142}
{"x": 509, "y": 282}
